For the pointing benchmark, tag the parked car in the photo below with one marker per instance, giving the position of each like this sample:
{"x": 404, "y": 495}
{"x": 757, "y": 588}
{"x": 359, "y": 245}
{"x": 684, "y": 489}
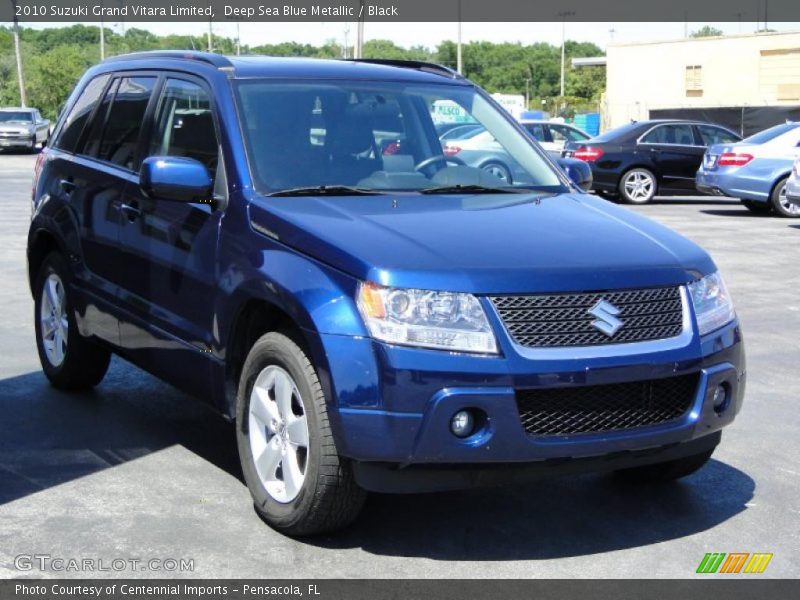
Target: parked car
{"x": 645, "y": 158}
{"x": 755, "y": 170}
{"x": 553, "y": 136}
{"x": 23, "y": 128}
{"x": 793, "y": 185}
{"x": 395, "y": 323}
{"x": 499, "y": 163}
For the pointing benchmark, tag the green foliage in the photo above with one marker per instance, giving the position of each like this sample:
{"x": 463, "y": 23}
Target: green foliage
{"x": 706, "y": 31}
{"x": 55, "y": 58}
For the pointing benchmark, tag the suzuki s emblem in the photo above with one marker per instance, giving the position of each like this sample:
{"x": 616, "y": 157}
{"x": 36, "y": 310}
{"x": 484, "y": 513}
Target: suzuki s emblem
{"x": 607, "y": 320}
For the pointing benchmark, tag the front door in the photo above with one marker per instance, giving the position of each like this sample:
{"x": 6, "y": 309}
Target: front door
{"x": 674, "y": 154}
{"x": 171, "y": 248}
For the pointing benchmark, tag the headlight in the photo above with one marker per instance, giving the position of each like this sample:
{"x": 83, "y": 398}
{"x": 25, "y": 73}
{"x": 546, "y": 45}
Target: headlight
{"x": 442, "y": 320}
{"x": 712, "y": 303}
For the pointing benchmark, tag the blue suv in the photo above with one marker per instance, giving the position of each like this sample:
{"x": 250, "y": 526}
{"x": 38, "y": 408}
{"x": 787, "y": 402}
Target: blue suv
{"x": 287, "y": 240}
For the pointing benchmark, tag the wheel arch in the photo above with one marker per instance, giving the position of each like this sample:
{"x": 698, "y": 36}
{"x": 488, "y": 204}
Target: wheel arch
{"x": 293, "y": 295}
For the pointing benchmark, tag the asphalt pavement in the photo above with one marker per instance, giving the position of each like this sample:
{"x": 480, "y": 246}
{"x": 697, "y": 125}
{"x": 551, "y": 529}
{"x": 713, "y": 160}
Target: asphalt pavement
{"x": 137, "y": 470}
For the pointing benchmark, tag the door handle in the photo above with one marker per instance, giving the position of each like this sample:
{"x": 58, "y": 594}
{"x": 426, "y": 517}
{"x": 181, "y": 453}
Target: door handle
{"x": 66, "y": 186}
{"x": 131, "y": 211}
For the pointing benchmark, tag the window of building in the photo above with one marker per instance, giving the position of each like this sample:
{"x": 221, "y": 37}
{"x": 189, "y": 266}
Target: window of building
{"x": 694, "y": 81}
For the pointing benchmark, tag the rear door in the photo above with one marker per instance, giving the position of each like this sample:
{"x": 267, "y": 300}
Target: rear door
{"x": 170, "y": 248}
{"x": 93, "y": 191}
{"x": 675, "y": 154}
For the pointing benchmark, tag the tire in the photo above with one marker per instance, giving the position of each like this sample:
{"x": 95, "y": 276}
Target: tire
{"x": 780, "y": 204}
{"x": 499, "y": 170}
{"x": 638, "y": 186}
{"x": 666, "y": 471}
{"x": 757, "y": 208}
{"x": 327, "y": 497}
{"x": 69, "y": 360}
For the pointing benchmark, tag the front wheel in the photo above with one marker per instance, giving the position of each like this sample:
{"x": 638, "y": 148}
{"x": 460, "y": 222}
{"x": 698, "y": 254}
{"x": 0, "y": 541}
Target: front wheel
{"x": 638, "y": 186}
{"x": 299, "y": 484}
{"x": 780, "y": 203}
{"x": 69, "y": 360}
{"x": 666, "y": 471}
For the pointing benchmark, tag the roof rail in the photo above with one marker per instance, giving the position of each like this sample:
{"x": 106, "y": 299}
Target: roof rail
{"x": 216, "y": 60}
{"x": 419, "y": 65}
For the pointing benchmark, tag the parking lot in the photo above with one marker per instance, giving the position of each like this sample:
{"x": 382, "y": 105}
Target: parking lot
{"x": 136, "y": 469}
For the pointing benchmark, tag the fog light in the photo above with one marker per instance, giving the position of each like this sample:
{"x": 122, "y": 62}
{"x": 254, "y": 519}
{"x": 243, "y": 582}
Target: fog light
{"x": 720, "y": 401}
{"x": 462, "y": 423}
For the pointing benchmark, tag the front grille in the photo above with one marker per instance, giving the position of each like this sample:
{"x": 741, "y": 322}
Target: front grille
{"x": 552, "y": 320}
{"x": 601, "y": 408}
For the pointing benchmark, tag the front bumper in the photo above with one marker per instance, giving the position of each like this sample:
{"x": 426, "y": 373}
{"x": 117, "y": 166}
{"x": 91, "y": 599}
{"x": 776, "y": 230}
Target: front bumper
{"x": 394, "y": 404}
{"x": 8, "y": 141}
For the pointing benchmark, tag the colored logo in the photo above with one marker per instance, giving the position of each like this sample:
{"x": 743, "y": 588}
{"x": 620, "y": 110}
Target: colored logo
{"x": 734, "y": 562}
{"x": 607, "y": 320}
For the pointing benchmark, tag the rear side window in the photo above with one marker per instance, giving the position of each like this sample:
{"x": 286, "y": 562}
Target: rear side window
{"x": 566, "y": 134}
{"x": 670, "y": 134}
{"x": 184, "y": 125}
{"x": 716, "y": 135}
{"x": 81, "y": 110}
{"x": 120, "y": 137}
{"x": 536, "y": 130}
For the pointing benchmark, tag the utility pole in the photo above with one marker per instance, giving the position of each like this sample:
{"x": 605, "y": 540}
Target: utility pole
{"x": 359, "y": 49}
{"x": 210, "y": 33}
{"x": 346, "y": 47}
{"x": 564, "y": 14}
{"x": 459, "y": 58}
{"x": 23, "y": 102}
{"x": 102, "y": 34}
{"x": 238, "y": 41}
{"x": 527, "y": 93}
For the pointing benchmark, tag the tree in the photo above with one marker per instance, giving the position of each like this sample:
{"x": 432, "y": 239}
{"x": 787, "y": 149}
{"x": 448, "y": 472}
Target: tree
{"x": 706, "y": 31}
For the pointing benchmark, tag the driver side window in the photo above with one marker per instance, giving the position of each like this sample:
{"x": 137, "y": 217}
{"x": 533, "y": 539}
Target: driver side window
{"x": 184, "y": 124}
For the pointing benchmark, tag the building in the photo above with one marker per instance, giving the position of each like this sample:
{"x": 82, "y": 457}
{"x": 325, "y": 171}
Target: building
{"x": 747, "y": 82}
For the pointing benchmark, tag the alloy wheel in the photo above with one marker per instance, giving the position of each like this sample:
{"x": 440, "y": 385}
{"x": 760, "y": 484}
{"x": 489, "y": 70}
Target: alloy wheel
{"x": 278, "y": 433}
{"x": 639, "y": 186}
{"x": 790, "y": 208}
{"x": 53, "y": 320}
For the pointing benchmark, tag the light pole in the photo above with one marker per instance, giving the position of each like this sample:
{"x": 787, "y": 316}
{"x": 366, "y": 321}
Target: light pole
{"x": 210, "y": 33}
{"x": 20, "y": 77}
{"x": 564, "y": 14}
{"x": 459, "y": 59}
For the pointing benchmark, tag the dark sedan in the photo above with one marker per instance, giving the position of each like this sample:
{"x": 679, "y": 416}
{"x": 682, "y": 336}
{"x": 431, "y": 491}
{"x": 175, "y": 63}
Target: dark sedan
{"x": 645, "y": 158}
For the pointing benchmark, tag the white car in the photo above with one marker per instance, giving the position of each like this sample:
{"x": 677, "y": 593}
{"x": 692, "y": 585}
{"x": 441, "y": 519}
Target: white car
{"x": 793, "y": 185}
{"x": 551, "y": 136}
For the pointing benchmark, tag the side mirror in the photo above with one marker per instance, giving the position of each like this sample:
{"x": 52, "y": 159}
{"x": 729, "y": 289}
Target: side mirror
{"x": 175, "y": 178}
{"x": 579, "y": 172}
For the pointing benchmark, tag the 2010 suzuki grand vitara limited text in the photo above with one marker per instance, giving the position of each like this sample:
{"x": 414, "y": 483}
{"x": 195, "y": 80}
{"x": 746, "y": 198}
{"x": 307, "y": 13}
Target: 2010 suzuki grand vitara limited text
{"x": 286, "y": 239}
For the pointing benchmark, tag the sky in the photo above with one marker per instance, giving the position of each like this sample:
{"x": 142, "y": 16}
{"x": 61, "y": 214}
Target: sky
{"x": 430, "y": 34}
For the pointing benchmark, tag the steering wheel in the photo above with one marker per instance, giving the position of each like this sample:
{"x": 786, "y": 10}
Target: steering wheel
{"x": 438, "y": 158}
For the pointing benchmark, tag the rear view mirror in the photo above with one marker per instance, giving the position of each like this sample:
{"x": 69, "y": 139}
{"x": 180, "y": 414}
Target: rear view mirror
{"x": 175, "y": 178}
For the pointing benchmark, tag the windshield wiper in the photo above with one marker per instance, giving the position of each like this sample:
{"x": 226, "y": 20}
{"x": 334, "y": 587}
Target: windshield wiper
{"x": 327, "y": 190}
{"x": 467, "y": 189}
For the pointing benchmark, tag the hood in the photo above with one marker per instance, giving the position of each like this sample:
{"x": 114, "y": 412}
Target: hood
{"x": 499, "y": 243}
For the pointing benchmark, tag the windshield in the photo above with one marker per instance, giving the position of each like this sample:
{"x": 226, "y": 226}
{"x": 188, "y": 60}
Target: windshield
{"x": 17, "y": 116}
{"x": 380, "y": 137}
{"x": 769, "y": 134}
